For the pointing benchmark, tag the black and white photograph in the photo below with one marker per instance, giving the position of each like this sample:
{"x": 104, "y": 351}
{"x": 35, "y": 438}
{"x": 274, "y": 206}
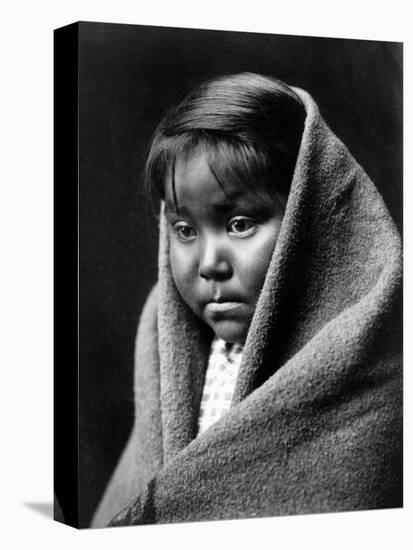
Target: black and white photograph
{"x": 205, "y": 265}
{"x": 246, "y": 362}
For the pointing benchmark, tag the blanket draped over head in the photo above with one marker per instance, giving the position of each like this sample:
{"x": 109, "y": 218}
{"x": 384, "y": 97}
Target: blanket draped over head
{"x": 315, "y": 423}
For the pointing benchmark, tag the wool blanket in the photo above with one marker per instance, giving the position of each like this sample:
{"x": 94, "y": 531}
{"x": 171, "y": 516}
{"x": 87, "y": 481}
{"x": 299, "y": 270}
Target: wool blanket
{"x": 316, "y": 419}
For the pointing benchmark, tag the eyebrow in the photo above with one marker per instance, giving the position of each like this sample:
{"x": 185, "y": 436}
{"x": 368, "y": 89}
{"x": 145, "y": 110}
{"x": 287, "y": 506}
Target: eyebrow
{"x": 228, "y": 203}
{"x": 222, "y": 206}
{"x": 177, "y": 209}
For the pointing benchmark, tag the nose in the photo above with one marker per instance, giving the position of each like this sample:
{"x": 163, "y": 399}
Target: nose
{"x": 214, "y": 262}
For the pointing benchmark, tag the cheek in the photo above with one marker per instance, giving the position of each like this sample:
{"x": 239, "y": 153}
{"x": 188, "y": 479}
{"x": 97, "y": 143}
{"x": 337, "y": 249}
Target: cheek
{"x": 254, "y": 269}
{"x": 184, "y": 271}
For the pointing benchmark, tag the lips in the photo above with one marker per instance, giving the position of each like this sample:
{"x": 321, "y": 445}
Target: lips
{"x": 223, "y": 303}
{"x": 220, "y": 295}
{"x": 221, "y": 307}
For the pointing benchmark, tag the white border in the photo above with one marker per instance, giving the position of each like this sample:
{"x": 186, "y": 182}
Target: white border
{"x": 26, "y": 268}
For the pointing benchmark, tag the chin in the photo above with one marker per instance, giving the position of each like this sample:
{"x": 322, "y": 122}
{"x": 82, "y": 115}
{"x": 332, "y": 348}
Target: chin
{"x": 231, "y": 331}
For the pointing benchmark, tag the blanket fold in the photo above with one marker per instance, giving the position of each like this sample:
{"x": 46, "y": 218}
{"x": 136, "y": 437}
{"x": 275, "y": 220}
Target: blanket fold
{"x": 316, "y": 419}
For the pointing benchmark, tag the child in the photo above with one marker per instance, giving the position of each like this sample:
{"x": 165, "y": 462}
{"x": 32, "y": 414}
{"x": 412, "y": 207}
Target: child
{"x": 267, "y": 359}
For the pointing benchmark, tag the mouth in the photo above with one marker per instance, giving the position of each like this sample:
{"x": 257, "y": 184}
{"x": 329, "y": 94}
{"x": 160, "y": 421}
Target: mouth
{"x": 219, "y": 303}
{"x": 221, "y": 306}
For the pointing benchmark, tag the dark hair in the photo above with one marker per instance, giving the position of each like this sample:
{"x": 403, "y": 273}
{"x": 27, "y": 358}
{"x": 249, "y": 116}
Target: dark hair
{"x": 250, "y": 125}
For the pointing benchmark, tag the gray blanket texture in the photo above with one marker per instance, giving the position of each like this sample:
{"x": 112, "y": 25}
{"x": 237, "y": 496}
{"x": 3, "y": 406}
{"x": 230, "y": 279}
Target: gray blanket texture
{"x": 316, "y": 419}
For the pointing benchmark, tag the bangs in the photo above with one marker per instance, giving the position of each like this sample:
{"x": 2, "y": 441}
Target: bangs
{"x": 233, "y": 164}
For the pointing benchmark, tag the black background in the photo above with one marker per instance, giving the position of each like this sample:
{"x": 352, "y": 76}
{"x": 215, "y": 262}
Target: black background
{"x": 128, "y": 76}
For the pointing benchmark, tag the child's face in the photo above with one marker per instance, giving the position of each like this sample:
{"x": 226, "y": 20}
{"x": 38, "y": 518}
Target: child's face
{"x": 221, "y": 244}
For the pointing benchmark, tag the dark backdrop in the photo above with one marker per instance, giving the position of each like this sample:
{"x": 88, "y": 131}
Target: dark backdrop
{"x": 128, "y": 76}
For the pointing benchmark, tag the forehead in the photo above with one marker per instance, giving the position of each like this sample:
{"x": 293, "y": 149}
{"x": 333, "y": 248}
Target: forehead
{"x": 194, "y": 181}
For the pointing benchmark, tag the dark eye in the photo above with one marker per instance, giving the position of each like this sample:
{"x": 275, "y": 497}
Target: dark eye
{"x": 184, "y": 231}
{"x": 241, "y": 226}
